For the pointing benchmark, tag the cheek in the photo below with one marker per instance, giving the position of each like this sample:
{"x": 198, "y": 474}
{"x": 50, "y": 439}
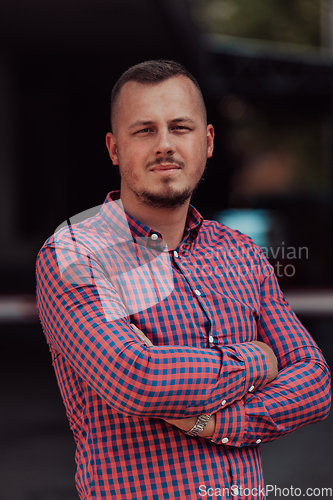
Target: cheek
{"x": 198, "y": 157}
{"x": 129, "y": 170}
{"x": 198, "y": 149}
{"x": 133, "y": 157}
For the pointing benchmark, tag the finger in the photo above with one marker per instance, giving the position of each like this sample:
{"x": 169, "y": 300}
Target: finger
{"x": 142, "y": 336}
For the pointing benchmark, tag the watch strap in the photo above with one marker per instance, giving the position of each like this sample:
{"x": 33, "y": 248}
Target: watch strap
{"x": 199, "y": 425}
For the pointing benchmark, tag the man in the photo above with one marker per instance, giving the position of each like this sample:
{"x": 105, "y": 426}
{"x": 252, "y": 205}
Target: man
{"x": 174, "y": 349}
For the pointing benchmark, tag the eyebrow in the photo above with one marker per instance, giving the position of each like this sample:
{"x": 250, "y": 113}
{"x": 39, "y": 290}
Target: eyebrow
{"x": 183, "y": 119}
{"x": 140, "y": 123}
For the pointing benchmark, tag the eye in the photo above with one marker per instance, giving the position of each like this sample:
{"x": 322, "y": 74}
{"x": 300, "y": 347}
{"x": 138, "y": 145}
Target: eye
{"x": 181, "y": 128}
{"x": 143, "y": 131}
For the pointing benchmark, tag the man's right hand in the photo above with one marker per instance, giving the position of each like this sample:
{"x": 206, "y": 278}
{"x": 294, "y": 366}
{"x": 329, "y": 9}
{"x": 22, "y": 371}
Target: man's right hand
{"x": 142, "y": 336}
{"x": 273, "y": 364}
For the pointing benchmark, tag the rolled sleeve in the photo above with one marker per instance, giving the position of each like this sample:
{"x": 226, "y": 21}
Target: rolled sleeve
{"x": 256, "y": 368}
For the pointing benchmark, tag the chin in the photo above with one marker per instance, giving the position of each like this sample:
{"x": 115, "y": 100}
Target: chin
{"x": 169, "y": 198}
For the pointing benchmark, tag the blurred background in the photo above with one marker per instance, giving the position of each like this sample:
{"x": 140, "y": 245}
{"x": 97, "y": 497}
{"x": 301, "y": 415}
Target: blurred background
{"x": 266, "y": 70}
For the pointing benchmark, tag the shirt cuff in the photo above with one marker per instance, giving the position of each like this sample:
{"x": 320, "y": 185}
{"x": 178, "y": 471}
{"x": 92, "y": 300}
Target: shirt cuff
{"x": 257, "y": 365}
{"x": 230, "y": 425}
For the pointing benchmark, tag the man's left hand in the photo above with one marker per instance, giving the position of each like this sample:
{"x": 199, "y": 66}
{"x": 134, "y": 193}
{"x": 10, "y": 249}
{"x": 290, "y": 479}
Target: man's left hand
{"x": 185, "y": 424}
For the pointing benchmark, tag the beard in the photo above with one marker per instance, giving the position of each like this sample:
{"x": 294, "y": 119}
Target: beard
{"x": 169, "y": 197}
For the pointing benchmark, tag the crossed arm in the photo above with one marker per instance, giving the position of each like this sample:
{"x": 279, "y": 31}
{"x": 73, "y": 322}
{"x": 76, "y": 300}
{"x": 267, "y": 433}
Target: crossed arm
{"x": 186, "y": 424}
{"x": 296, "y": 392}
{"x": 173, "y": 382}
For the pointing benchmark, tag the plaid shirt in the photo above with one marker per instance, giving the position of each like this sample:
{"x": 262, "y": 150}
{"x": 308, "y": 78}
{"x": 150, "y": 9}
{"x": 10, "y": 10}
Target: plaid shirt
{"x": 201, "y": 305}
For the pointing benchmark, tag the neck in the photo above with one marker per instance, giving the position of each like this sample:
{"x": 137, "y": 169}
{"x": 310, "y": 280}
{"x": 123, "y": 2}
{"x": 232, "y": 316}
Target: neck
{"x": 170, "y": 222}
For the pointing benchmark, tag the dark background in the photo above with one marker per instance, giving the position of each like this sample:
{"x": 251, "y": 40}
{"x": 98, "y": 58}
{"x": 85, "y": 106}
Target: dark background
{"x": 270, "y": 109}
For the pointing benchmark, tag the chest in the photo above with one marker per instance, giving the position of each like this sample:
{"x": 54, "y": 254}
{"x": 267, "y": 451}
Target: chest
{"x": 211, "y": 300}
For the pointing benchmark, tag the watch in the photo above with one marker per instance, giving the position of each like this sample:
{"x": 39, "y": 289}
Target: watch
{"x": 199, "y": 425}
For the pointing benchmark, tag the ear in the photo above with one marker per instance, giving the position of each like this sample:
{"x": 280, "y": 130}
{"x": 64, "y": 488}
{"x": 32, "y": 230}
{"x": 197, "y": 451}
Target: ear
{"x": 210, "y": 140}
{"x": 111, "y": 145}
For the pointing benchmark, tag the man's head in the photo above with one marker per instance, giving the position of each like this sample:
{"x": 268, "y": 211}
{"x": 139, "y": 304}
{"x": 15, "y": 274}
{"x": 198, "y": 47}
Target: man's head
{"x": 151, "y": 73}
{"x": 160, "y": 140}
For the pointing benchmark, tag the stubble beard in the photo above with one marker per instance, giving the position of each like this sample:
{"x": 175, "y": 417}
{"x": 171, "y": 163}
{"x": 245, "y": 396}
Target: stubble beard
{"x": 168, "y": 197}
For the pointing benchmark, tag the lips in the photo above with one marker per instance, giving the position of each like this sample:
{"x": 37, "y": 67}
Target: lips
{"x": 161, "y": 168}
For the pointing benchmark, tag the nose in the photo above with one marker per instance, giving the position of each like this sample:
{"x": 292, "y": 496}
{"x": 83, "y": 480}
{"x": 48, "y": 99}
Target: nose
{"x": 164, "y": 144}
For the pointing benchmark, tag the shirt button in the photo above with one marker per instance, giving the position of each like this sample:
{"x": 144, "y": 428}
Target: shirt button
{"x": 211, "y": 339}
{"x": 175, "y": 253}
{"x": 258, "y": 441}
{"x": 197, "y": 292}
{"x": 225, "y": 440}
{"x": 235, "y": 491}
{"x": 251, "y": 388}
{"x": 223, "y": 402}
{"x": 154, "y": 237}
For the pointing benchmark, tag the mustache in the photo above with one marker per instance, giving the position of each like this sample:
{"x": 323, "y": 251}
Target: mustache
{"x": 167, "y": 159}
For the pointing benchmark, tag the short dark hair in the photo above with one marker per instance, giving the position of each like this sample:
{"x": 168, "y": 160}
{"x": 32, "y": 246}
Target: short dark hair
{"x": 150, "y": 73}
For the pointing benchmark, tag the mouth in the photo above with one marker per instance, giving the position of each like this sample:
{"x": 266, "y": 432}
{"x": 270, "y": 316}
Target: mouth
{"x": 168, "y": 168}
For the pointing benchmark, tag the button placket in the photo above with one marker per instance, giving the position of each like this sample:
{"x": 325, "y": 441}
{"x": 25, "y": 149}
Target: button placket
{"x": 186, "y": 271}
{"x": 210, "y": 338}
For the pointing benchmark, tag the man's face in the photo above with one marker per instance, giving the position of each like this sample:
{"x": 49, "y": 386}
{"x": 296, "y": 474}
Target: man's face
{"x": 160, "y": 142}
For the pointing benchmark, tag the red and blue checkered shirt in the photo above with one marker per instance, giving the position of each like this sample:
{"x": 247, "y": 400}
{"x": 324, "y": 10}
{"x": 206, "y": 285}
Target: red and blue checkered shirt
{"x": 201, "y": 306}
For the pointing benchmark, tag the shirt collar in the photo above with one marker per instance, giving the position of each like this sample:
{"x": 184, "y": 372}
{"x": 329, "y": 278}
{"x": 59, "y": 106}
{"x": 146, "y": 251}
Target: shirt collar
{"x": 129, "y": 227}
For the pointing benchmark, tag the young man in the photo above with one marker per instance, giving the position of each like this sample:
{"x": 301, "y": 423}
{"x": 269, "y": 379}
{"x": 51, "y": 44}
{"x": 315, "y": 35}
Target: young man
{"x": 174, "y": 349}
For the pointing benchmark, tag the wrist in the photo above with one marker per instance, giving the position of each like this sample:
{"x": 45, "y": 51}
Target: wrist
{"x": 199, "y": 426}
{"x": 210, "y": 427}
{"x": 184, "y": 424}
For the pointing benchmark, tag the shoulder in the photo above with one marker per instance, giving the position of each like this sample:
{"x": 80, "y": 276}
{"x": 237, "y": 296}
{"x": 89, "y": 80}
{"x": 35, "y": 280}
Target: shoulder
{"x": 215, "y": 232}
{"x": 230, "y": 243}
{"x": 82, "y": 230}
{"x": 218, "y": 241}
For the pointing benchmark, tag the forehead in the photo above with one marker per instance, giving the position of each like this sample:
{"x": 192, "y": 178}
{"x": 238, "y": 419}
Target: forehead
{"x": 168, "y": 99}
